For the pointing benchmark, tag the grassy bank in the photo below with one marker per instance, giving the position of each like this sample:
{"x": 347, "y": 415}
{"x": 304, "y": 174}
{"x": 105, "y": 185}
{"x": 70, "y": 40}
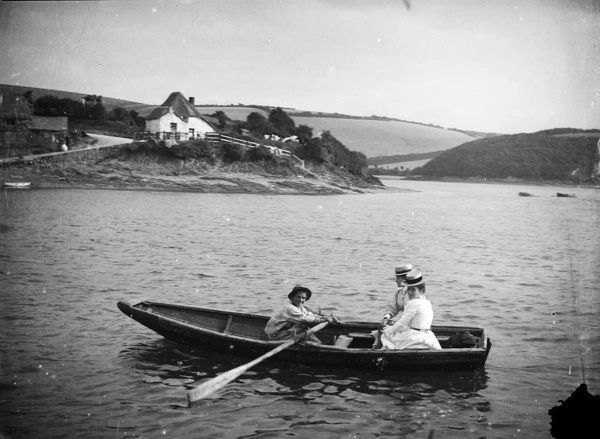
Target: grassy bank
{"x": 147, "y": 166}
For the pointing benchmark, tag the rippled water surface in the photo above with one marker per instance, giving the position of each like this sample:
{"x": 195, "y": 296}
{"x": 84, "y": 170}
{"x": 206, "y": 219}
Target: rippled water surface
{"x": 72, "y": 365}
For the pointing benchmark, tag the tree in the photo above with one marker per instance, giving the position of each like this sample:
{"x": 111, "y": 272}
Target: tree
{"x": 98, "y": 112}
{"x": 121, "y": 114}
{"x": 304, "y": 133}
{"x": 313, "y": 151}
{"x": 258, "y": 124}
{"x": 282, "y": 122}
{"x": 222, "y": 117}
{"x": 28, "y": 96}
{"x": 50, "y": 105}
{"x": 137, "y": 119}
{"x": 352, "y": 161}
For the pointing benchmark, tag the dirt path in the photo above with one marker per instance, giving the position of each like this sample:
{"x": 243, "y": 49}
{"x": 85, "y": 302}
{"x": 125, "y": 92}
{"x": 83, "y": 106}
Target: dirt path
{"x": 109, "y": 140}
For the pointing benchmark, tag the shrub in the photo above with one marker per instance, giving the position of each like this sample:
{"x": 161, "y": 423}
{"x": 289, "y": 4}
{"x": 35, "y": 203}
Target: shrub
{"x": 313, "y": 151}
{"x": 233, "y": 152}
{"x": 258, "y": 154}
{"x": 195, "y": 149}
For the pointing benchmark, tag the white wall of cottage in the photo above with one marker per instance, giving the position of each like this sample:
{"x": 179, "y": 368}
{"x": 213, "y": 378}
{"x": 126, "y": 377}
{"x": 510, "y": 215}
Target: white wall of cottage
{"x": 164, "y": 124}
{"x": 199, "y": 126}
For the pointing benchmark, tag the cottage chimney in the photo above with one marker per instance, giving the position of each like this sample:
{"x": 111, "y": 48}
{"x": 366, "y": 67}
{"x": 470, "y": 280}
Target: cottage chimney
{"x": 192, "y": 100}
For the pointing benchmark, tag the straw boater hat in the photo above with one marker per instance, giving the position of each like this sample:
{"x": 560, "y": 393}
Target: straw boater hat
{"x": 413, "y": 278}
{"x": 297, "y": 289}
{"x": 402, "y": 269}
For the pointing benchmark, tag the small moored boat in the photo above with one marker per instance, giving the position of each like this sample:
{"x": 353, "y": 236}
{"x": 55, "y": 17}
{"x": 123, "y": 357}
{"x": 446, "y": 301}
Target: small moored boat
{"x": 17, "y": 184}
{"x": 243, "y": 335}
{"x": 525, "y": 194}
{"x": 559, "y": 194}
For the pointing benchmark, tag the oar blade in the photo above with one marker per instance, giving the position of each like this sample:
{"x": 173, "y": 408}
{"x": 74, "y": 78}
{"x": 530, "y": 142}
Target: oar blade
{"x": 214, "y": 384}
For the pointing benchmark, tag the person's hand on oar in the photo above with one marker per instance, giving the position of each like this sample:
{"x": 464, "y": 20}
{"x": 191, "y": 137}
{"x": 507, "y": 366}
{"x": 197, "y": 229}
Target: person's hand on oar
{"x": 214, "y": 384}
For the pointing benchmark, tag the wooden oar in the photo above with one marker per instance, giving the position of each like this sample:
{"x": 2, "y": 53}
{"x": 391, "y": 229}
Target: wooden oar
{"x": 225, "y": 378}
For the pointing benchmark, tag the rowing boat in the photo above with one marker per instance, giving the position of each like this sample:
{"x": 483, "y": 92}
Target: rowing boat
{"x": 17, "y": 184}
{"x": 243, "y": 335}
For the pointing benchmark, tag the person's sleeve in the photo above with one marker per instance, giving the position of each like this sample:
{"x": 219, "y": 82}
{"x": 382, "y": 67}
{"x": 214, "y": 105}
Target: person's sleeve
{"x": 394, "y": 308}
{"x": 402, "y": 324}
{"x": 294, "y": 314}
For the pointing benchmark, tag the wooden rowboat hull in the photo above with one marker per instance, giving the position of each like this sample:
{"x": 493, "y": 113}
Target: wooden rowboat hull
{"x": 243, "y": 335}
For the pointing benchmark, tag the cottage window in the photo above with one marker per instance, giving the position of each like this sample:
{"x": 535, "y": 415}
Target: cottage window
{"x": 174, "y": 127}
{"x": 191, "y": 133}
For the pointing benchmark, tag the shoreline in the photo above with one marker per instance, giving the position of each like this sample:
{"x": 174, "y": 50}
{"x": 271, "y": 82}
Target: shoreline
{"x": 508, "y": 181}
{"x": 126, "y": 176}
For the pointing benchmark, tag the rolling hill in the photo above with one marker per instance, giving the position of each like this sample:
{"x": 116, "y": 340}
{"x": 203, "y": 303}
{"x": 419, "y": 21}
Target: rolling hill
{"x": 565, "y": 155}
{"x": 108, "y": 103}
{"x": 373, "y": 137}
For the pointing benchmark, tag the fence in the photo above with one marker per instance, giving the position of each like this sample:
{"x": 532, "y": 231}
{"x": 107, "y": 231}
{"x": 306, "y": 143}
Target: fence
{"x": 92, "y": 153}
{"x": 165, "y": 135}
{"x": 220, "y": 138}
{"x": 89, "y": 154}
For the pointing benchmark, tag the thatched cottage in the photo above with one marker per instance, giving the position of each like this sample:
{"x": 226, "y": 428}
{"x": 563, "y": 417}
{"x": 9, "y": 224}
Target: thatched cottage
{"x": 178, "y": 118}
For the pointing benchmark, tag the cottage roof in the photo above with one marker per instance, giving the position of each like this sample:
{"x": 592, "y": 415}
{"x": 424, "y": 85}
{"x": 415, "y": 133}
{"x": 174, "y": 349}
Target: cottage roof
{"x": 181, "y": 107}
{"x": 44, "y": 123}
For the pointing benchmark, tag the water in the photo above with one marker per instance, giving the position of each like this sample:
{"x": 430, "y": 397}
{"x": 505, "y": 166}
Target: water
{"x": 72, "y": 365}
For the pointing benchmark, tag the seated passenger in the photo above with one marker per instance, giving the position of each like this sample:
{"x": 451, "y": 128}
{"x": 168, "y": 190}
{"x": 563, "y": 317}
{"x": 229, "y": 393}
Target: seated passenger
{"x": 399, "y": 299}
{"x": 413, "y": 329}
{"x": 295, "y": 318}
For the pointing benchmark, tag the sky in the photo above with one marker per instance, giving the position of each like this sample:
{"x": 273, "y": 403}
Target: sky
{"x": 504, "y": 66}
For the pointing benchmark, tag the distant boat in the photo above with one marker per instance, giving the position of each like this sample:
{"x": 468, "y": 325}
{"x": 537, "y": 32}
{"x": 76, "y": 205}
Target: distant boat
{"x": 17, "y": 184}
{"x": 525, "y": 194}
{"x": 558, "y": 194}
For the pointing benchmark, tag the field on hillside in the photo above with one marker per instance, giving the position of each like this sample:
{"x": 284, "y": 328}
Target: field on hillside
{"x": 378, "y": 138}
{"x": 371, "y": 137}
{"x": 234, "y": 113}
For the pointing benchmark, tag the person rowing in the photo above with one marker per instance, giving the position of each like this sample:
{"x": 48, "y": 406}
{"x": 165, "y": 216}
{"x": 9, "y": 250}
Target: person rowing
{"x": 295, "y": 318}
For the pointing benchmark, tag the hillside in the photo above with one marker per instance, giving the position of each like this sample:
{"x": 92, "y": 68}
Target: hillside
{"x": 108, "y": 103}
{"x": 182, "y": 167}
{"x": 374, "y": 137}
{"x": 561, "y": 155}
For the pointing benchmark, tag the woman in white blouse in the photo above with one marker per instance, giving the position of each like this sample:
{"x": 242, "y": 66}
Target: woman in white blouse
{"x": 413, "y": 329}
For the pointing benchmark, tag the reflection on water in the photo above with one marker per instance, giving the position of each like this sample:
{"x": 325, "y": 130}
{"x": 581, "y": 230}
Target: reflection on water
{"x": 183, "y": 365}
{"x": 334, "y": 397}
{"x": 71, "y": 364}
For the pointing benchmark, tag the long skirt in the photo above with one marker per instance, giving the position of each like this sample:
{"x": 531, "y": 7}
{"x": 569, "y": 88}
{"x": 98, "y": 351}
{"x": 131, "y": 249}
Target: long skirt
{"x": 411, "y": 339}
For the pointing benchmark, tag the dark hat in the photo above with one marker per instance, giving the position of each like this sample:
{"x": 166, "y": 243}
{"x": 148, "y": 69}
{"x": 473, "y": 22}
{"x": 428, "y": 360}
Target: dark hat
{"x": 413, "y": 278}
{"x": 402, "y": 269}
{"x": 297, "y": 289}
